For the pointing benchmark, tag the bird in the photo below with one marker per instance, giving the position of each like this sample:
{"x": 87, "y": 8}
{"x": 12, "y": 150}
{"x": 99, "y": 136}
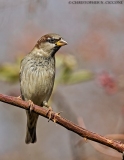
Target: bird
{"x": 37, "y": 75}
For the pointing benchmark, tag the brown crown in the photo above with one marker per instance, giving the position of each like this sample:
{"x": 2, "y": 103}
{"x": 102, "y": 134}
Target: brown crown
{"x": 43, "y": 39}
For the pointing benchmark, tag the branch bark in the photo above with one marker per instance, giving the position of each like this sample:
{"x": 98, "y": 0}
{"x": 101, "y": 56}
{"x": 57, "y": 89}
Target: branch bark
{"x": 64, "y": 122}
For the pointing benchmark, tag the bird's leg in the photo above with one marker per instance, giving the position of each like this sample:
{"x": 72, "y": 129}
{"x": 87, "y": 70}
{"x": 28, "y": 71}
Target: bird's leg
{"x": 31, "y": 105}
{"x": 56, "y": 114}
{"x": 19, "y": 97}
{"x": 45, "y": 104}
{"x": 50, "y": 109}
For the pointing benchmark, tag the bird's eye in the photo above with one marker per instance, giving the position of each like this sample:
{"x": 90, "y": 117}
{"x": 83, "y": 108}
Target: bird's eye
{"x": 51, "y": 40}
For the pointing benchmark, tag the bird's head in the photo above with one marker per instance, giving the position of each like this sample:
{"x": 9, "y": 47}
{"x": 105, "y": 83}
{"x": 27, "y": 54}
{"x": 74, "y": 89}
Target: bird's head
{"x": 50, "y": 44}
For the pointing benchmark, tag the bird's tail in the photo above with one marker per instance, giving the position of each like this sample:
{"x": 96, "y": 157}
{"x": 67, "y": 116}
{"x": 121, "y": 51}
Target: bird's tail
{"x": 31, "y": 127}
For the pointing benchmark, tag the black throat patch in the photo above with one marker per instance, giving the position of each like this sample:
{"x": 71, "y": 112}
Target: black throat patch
{"x": 56, "y": 48}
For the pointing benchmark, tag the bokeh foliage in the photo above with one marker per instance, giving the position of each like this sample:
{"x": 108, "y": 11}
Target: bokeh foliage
{"x": 67, "y": 72}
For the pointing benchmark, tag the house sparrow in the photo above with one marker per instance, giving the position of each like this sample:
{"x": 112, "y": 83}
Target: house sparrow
{"x": 37, "y": 74}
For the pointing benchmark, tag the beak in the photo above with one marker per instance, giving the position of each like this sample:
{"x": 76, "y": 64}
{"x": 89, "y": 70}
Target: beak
{"x": 61, "y": 42}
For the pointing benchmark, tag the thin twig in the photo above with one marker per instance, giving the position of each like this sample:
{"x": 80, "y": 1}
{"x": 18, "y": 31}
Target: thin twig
{"x": 64, "y": 122}
{"x": 101, "y": 148}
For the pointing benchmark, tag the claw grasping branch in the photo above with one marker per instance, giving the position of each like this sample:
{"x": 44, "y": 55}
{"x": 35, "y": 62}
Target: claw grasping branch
{"x": 64, "y": 122}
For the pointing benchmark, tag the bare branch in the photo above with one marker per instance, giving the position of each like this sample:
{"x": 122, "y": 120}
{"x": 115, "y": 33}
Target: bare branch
{"x": 100, "y": 148}
{"x": 64, "y": 122}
